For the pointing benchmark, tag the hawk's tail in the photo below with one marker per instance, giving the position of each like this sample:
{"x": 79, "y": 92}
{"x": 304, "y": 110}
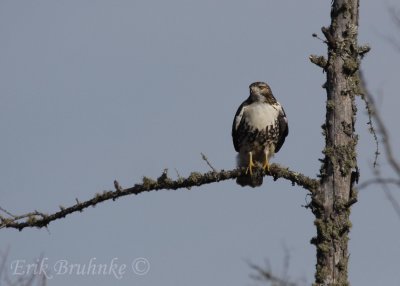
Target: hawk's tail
{"x": 248, "y": 180}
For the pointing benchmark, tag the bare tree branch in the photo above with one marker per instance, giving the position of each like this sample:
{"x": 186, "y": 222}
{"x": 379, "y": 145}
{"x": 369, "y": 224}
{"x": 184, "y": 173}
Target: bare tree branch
{"x": 395, "y": 15}
{"x": 381, "y": 126}
{"x": 369, "y": 106}
{"x": 378, "y": 180}
{"x": 391, "y": 199}
{"x": 204, "y": 157}
{"x": 7, "y": 212}
{"x": 3, "y": 260}
{"x": 39, "y": 219}
{"x": 395, "y": 165}
{"x": 268, "y": 276}
{"x": 30, "y": 278}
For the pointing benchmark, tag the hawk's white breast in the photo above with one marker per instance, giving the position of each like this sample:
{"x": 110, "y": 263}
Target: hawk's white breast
{"x": 261, "y": 115}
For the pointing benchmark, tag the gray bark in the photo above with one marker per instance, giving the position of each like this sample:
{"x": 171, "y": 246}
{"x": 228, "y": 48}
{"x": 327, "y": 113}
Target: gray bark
{"x": 332, "y": 200}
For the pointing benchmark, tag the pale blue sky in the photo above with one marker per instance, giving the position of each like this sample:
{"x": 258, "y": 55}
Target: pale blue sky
{"x": 92, "y": 91}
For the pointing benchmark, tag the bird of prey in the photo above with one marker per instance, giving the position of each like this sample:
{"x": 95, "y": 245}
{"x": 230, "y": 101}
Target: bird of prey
{"x": 259, "y": 130}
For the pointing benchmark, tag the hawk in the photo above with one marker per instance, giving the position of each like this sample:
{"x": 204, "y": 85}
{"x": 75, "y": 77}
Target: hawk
{"x": 259, "y": 130}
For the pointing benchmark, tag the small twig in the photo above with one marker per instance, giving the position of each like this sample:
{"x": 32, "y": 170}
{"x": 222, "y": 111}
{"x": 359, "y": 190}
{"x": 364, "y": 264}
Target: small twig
{"x": 267, "y": 275}
{"x": 6, "y": 212}
{"x": 117, "y": 186}
{"x": 369, "y": 106}
{"x": 208, "y": 162}
{"x": 178, "y": 174}
{"x": 315, "y": 35}
{"x": 286, "y": 263}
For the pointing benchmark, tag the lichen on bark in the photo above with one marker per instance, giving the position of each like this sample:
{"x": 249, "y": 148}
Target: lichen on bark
{"x": 332, "y": 201}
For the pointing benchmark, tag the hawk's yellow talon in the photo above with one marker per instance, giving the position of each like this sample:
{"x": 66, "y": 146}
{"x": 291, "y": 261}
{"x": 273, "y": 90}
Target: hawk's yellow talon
{"x": 266, "y": 163}
{"x": 266, "y": 166}
{"x": 251, "y": 165}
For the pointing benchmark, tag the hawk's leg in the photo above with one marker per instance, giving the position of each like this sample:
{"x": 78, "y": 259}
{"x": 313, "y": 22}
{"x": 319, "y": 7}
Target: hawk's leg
{"x": 251, "y": 164}
{"x": 266, "y": 163}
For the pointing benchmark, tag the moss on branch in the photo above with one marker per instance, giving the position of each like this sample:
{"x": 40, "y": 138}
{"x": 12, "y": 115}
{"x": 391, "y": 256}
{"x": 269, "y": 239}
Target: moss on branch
{"x": 39, "y": 220}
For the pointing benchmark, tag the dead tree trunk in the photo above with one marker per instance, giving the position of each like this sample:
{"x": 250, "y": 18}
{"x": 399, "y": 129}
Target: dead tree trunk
{"x": 332, "y": 201}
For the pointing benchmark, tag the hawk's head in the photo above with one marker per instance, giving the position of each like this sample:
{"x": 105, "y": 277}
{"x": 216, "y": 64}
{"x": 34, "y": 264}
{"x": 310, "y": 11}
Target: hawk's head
{"x": 260, "y": 91}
